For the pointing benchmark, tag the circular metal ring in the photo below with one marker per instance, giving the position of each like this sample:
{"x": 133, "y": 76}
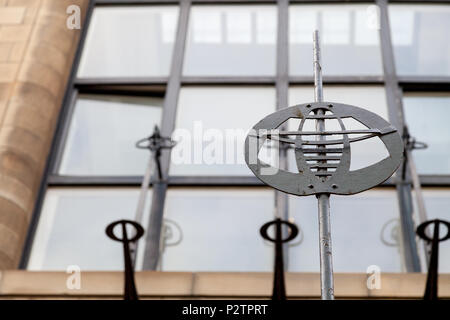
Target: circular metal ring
{"x": 152, "y": 143}
{"x": 293, "y": 230}
{"x": 421, "y": 229}
{"x": 137, "y": 226}
{"x": 309, "y": 180}
{"x": 139, "y": 144}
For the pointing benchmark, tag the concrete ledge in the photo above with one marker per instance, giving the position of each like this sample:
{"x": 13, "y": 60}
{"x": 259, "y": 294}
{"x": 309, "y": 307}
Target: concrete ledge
{"x": 226, "y": 285}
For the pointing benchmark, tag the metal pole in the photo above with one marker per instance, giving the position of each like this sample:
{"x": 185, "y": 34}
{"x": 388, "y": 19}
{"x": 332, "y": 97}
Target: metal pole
{"x": 141, "y": 202}
{"x": 326, "y": 259}
{"x": 422, "y": 213}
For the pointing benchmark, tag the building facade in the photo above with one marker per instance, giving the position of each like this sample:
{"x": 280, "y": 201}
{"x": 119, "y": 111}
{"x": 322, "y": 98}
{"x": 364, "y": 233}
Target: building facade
{"x": 83, "y": 80}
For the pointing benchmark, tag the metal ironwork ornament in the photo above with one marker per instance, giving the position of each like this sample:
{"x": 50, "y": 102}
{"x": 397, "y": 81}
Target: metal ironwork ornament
{"x": 155, "y": 144}
{"x": 323, "y": 165}
{"x": 431, "y": 289}
{"x": 130, "y": 292}
{"x": 279, "y": 288}
{"x": 323, "y": 162}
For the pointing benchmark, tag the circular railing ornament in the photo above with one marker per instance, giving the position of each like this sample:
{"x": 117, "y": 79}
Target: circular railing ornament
{"x": 323, "y": 164}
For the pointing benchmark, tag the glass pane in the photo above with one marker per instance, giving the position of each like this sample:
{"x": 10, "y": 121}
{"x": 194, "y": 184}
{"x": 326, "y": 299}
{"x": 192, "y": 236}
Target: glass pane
{"x": 349, "y": 39}
{"x": 217, "y": 230}
{"x": 212, "y": 123}
{"x": 129, "y": 42}
{"x": 103, "y": 133}
{"x": 364, "y": 231}
{"x": 436, "y": 158}
{"x": 72, "y": 225}
{"x": 231, "y": 41}
{"x": 437, "y": 202}
{"x": 372, "y": 98}
{"x": 420, "y": 39}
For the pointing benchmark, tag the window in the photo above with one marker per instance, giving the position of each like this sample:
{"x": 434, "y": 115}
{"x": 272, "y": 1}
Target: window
{"x": 368, "y": 234}
{"x": 218, "y": 229}
{"x": 103, "y": 133}
{"x": 221, "y": 60}
{"x": 129, "y": 42}
{"x": 420, "y": 39}
{"x": 231, "y": 41}
{"x": 424, "y": 126}
{"x": 72, "y": 227}
{"x": 212, "y": 123}
{"x": 350, "y": 42}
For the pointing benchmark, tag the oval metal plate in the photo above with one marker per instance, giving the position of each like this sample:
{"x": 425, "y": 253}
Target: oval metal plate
{"x": 342, "y": 181}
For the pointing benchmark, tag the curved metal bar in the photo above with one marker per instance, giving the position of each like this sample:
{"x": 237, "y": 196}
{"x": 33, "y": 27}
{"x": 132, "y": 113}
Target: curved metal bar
{"x": 325, "y": 133}
{"x": 322, "y": 142}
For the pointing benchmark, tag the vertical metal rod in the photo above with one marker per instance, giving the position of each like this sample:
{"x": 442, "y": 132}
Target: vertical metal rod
{"x": 155, "y": 223}
{"x": 144, "y": 188}
{"x": 282, "y": 85}
{"x": 141, "y": 203}
{"x": 326, "y": 258}
{"x": 431, "y": 288}
{"x": 318, "y": 89}
{"x": 130, "y": 287}
{"x": 421, "y": 210}
{"x": 279, "y": 287}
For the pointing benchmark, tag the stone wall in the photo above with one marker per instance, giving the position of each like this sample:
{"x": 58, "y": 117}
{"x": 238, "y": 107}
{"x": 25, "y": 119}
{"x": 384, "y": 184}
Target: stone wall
{"x": 36, "y": 57}
{"x": 17, "y": 284}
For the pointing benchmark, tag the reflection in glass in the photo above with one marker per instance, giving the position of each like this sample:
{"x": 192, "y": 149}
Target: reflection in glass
{"x": 436, "y": 158}
{"x": 71, "y": 229}
{"x": 231, "y": 41}
{"x": 103, "y": 133}
{"x": 220, "y": 229}
{"x": 372, "y": 98}
{"x": 350, "y": 43}
{"x": 211, "y": 126}
{"x": 129, "y": 42}
{"x": 367, "y": 234}
{"x": 420, "y": 39}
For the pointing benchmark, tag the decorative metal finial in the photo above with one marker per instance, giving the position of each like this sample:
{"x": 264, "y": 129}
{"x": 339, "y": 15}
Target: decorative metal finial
{"x": 155, "y": 143}
{"x": 324, "y": 163}
{"x": 130, "y": 292}
{"x": 431, "y": 289}
{"x": 279, "y": 288}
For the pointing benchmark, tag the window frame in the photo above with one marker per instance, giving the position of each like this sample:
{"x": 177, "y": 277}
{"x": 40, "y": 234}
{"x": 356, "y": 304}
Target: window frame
{"x": 171, "y": 85}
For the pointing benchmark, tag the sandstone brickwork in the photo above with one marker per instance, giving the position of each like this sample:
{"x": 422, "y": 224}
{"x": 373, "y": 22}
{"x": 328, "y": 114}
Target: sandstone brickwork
{"x": 36, "y": 56}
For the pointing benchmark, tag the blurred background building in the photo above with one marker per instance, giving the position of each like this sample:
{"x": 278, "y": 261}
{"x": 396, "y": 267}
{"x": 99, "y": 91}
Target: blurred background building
{"x": 74, "y": 102}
